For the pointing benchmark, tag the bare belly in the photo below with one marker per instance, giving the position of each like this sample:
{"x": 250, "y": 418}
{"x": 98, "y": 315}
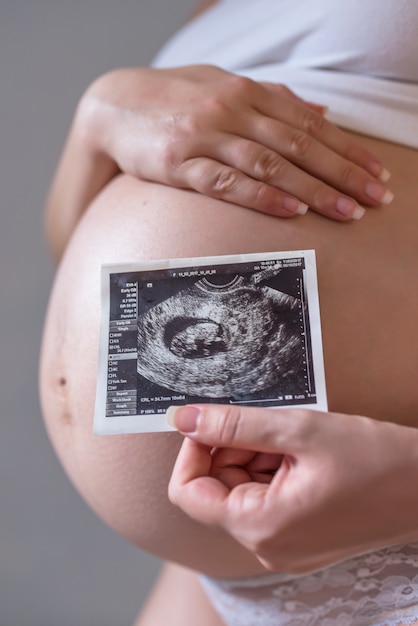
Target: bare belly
{"x": 369, "y": 309}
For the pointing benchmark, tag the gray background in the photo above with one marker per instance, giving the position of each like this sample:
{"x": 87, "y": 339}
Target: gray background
{"x": 59, "y": 565}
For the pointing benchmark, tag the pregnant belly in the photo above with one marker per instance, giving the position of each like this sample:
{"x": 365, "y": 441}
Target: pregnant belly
{"x": 369, "y": 308}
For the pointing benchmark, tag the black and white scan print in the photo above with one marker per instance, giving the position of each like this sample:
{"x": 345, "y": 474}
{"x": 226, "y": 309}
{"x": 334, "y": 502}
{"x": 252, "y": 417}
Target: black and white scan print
{"x": 241, "y": 330}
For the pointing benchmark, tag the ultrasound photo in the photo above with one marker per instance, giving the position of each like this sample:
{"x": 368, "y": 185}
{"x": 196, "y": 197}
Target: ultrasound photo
{"x": 238, "y": 330}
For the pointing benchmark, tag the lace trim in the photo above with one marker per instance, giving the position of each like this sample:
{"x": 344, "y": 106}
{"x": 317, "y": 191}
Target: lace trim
{"x": 375, "y": 589}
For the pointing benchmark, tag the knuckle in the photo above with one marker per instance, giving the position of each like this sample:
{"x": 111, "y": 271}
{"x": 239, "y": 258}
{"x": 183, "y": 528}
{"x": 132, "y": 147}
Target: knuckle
{"x": 262, "y": 197}
{"x": 224, "y": 95}
{"x": 239, "y": 88}
{"x": 322, "y": 197}
{"x": 269, "y": 166}
{"x": 283, "y": 90}
{"x": 228, "y": 424}
{"x": 216, "y": 107}
{"x": 223, "y": 182}
{"x": 312, "y": 123}
{"x": 240, "y": 85}
{"x": 181, "y": 125}
{"x": 347, "y": 175}
{"x": 301, "y": 144}
{"x": 180, "y": 128}
{"x": 304, "y": 427}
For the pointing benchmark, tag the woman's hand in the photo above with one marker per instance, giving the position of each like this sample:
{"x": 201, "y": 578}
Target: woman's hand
{"x": 300, "y": 489}
{"x": 256, "y": 145}
{"x": 225, "y": 136}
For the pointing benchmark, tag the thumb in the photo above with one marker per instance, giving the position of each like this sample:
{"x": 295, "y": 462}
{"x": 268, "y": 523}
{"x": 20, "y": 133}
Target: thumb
{"x": 248, "y": 428}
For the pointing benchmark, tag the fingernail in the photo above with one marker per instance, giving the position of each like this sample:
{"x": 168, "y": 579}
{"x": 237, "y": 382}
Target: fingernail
{"x": 302, "y": 208}
{"x": 350, "y": 208}
{"x": 384, "y": 175}
{"x": 294, "y": 206}
{"x": 378, "y": 192}
{"x": 378, "y": 171}
{"x": 358, "y": 213}
{"x": 184, "y": 418}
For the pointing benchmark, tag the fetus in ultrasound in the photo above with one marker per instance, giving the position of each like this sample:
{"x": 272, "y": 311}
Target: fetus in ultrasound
{"x": 223, "y": 338}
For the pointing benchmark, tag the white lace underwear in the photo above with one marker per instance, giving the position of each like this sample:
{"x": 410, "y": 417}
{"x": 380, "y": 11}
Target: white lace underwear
{"x": 375, "y": 589}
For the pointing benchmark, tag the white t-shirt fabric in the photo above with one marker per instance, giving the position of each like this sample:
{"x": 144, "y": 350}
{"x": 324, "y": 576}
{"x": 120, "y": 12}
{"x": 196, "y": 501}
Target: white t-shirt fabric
{"x": 359, "y": 58}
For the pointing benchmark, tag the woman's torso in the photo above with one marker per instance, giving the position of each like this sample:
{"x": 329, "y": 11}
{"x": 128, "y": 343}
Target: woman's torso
{"x": 369, "y": 308}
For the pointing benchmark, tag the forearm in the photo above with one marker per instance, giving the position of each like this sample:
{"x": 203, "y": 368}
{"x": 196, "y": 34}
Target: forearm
{"x": 84, "y": 169}
{"x": 199, "y": 127}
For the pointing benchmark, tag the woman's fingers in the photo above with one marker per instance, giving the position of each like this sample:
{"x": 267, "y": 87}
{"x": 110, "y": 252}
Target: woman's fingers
{"x": 234, "y": 467}
{"x": 221, "y": 499}
{"x": 217, "y": 180}
{"x": 303, "y": 117}
{"x": 192, "y": 487}
{"x": 226, "y": 136}
{"x": 272, "y": 431}
{"x": 218, "y": 478}
{"x": 313, "y": 155}
{"x": 256, "y": 177}
{"x": 280, "y": 170}
{"x": 333, "y": 473}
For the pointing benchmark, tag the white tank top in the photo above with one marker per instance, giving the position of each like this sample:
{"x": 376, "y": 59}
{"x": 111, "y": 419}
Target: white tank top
{"x": 360, "y": 57}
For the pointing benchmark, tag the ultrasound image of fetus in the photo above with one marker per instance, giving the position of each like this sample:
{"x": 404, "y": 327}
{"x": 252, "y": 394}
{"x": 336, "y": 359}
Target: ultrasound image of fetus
{"x": 191, "y": 338}
{"x": 221, "y": 340}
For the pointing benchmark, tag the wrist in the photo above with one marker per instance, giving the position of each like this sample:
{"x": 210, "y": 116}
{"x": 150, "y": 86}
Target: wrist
{"x": 401, "y": 508}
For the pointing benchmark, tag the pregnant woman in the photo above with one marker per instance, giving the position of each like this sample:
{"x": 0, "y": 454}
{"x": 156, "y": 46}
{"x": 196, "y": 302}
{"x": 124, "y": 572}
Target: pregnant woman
{"x": 164, "y": 163}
